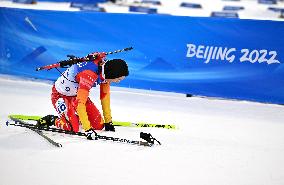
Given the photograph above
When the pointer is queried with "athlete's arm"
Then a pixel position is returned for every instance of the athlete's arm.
(86, 81)
(105, 101)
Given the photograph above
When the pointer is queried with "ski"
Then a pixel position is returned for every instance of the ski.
(152, 125)
(149, 140)
(115, 123)
(39, 132)
(24, 117)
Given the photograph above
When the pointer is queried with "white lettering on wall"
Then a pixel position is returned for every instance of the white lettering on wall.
(213, 53)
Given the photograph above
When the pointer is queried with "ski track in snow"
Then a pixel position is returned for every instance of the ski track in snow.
(219, 142)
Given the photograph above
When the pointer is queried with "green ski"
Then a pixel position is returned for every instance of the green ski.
(115, 123)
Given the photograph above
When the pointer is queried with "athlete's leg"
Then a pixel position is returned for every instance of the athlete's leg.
(67, 120)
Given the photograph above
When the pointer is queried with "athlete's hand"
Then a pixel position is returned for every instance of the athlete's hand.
(109, 127)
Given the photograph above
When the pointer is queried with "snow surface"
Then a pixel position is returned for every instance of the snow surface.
(219, 142)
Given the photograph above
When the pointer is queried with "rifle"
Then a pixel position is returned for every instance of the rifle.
(74, 60)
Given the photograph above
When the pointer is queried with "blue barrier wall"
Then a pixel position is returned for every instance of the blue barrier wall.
(76, 1)
(229, 58)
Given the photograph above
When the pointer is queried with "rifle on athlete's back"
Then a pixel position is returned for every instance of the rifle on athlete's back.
(74, 60)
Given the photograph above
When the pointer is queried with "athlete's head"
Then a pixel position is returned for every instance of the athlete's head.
(115, 70)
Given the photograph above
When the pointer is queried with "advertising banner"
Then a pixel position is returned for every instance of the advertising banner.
(227, 58)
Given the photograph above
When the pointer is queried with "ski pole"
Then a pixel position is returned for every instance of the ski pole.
(74, 60)
(31, 126)
(19, 123)
(39, 132)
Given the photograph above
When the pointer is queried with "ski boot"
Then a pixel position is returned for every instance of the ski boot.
(46, 121)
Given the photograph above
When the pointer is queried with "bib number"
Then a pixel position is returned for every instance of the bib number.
(61, 106)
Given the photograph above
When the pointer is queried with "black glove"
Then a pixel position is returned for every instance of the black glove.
(46, 121)
(109, 127)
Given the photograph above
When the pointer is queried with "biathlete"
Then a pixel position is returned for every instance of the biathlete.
(70, 94)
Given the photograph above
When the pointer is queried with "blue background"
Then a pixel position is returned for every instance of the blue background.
(33, 38)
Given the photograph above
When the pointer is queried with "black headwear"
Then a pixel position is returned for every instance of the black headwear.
(115, 68)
